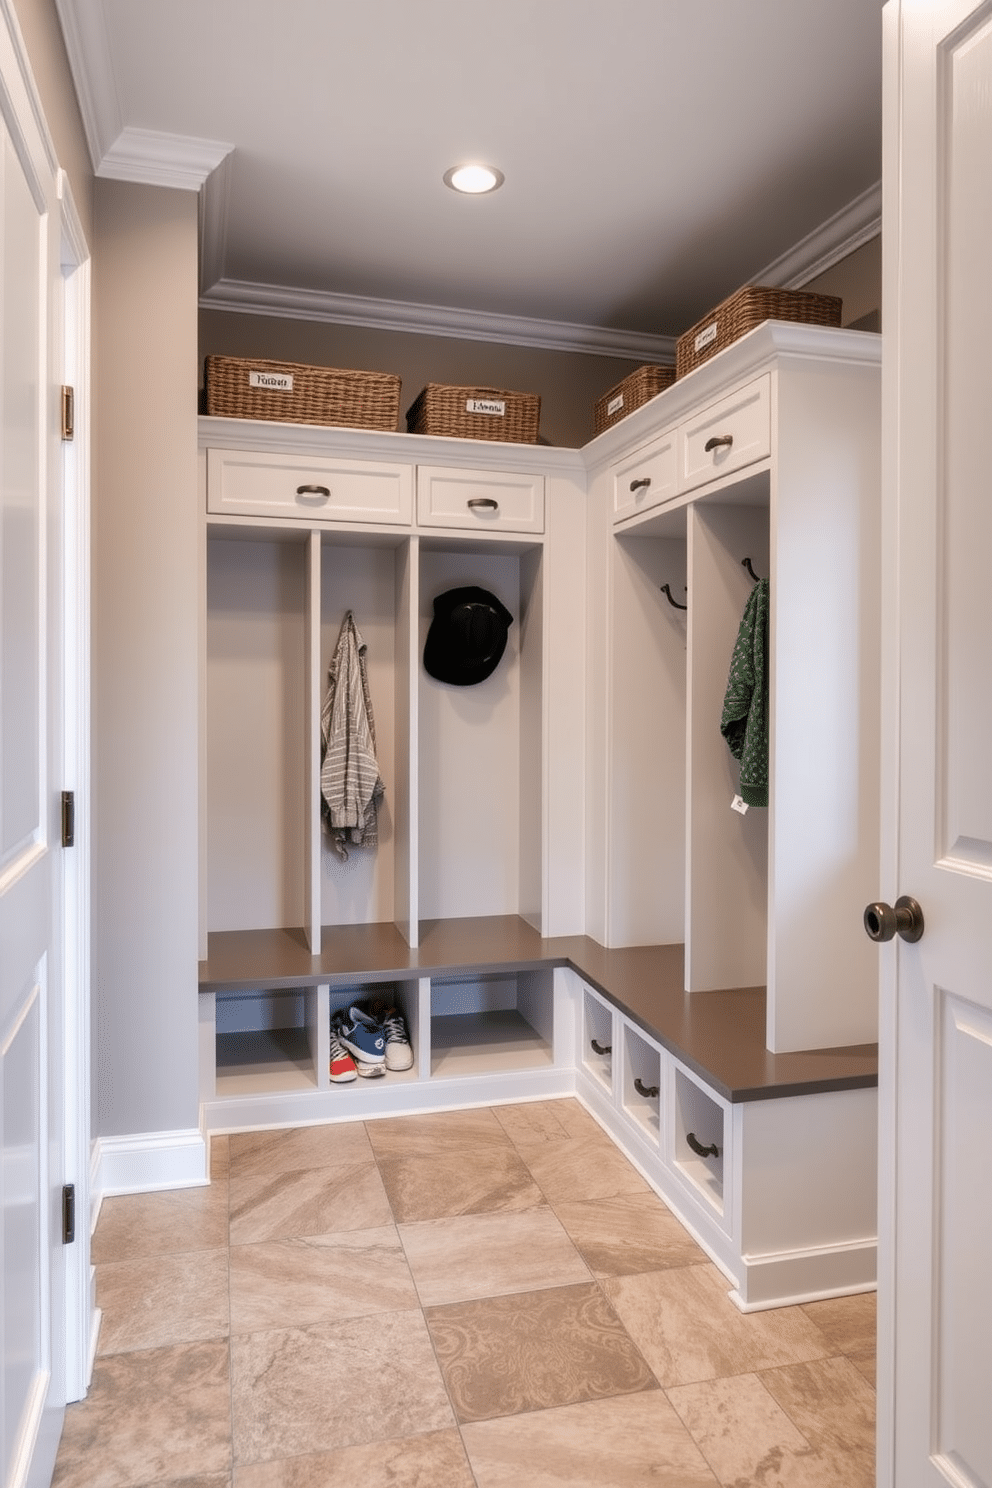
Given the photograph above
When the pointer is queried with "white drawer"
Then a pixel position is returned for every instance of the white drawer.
(480, 500)
(254, 484)
(646, 478)
(727, 435)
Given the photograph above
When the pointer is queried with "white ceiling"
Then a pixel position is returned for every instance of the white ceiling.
(658, 153)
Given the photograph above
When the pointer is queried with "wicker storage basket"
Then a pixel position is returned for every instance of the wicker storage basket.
(291, 392)
(745, 310)
(636, 389)
(475, 413)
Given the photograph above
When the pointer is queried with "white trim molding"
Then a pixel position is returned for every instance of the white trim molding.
(841, 234)
(149, 1161)
(152, 159)
(434, 320)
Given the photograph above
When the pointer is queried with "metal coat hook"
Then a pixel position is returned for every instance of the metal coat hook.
(746, 563)
(667, 591)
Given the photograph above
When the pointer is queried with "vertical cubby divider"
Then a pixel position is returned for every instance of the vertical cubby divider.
(312, 923)
(727, 853)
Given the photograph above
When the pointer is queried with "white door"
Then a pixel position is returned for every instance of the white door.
(935, 1360)
(31, 1091)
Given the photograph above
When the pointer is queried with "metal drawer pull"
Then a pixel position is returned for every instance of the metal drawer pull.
(698, 1147)
(649, 1092)
(483, 501)
(717, 440)
(601, 1048)
(322, 491)
(636, 485)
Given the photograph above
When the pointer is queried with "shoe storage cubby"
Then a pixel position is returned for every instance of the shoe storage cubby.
(274, 1041)
(491, 1025)
(641, 1094)
(404, 997)
(596, 1050)
(699, 1137)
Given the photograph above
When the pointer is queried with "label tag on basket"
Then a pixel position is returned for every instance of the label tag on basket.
(705, 337)
(739, 804)
(614, 405)
(273, 382)
(494, 406)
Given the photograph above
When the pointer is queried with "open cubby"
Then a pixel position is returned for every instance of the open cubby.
(268, 1042)
(646, 885)
(596, 1050)
(492, 1024)
(698, 1128)
(256, 731)
(641, 1092)
(727, 878)
(479, 758)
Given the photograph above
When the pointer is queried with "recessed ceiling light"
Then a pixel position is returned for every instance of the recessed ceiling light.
(476, 180)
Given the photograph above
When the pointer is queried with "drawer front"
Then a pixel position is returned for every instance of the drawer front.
(727, 436)
(480, 500)
(250, 484)
(646, 478)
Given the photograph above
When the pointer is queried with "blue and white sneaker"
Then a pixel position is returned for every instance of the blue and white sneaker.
(363, 1037)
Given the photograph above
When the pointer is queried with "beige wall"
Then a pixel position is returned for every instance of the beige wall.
(858, 281)
(568, 382)
(145, 533)
(42, 34)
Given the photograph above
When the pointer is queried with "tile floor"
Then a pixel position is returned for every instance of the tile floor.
(475, 1299)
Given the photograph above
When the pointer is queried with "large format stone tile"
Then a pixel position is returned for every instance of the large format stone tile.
(435, 1460)
(149, 1224)
(316, 1201)
(747, 1438)
(546, 1121)
(533, 1351)
(488, 1255)
(847, 1323)
(156, 1416)
(586, 1167)
(299, 1391)
(688, 1329)
(294, 1149)
(436, 1134)
(320, 1278)
(627, 1233)
(162, 1300)
(833, 1405)
(627, 1441)
(437, 1187)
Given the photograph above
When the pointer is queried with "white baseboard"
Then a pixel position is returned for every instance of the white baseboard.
(148, 1161)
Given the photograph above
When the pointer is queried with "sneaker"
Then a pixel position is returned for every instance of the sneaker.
(369, 1071)
(363, 1037)
(342, 1065)
(399, 1051)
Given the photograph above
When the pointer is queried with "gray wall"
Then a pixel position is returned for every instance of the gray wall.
(145, 668)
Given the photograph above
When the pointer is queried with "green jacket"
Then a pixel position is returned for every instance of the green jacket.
(744, 724)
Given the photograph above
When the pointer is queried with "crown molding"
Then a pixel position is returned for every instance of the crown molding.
(847, 230)
(152, 159)
(87, 44)
(434, 320)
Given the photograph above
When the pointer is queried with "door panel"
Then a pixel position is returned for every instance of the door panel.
(935, 1425)
(31, 1054)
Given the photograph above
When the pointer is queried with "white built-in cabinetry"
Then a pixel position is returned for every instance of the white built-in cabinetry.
(770, 453)
(579, 799)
